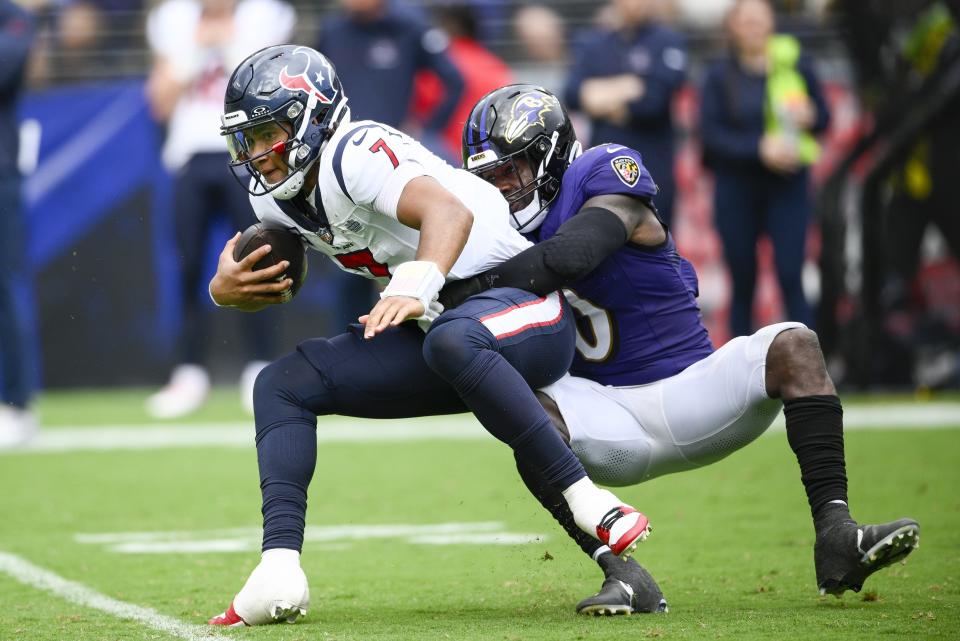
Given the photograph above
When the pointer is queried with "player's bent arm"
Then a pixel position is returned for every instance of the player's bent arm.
(236, 284)
(601, 226)
(444, 223)
(443, 220)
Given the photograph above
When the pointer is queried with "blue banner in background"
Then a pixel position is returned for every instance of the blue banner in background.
(89, 151)
(96, 146)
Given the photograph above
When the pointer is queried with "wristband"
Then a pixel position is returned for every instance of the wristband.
(420, 279)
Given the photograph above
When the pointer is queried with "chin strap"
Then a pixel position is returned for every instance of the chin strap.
(291, 186)
(420, 279)
(529, 218)
(294, 181)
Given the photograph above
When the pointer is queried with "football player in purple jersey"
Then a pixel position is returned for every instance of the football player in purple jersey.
(642, 350)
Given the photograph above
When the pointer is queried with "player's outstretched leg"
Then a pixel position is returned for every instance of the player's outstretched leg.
(627, 587)
(346, 375)
(845, 553)
(492, 360)
(286, 454)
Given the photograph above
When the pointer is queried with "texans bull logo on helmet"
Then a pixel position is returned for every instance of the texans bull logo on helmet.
(527, 111)
(301, 81)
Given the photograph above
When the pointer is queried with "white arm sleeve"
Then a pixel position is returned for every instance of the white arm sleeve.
(375, 166)
(389, 197)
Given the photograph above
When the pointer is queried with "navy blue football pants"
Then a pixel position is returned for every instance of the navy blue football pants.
(484, 356)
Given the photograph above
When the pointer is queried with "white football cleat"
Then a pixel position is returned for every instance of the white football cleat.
(247, 378)
(18, 426)
(276, 592)
(599, 512)
(622, 528)
(185, 393)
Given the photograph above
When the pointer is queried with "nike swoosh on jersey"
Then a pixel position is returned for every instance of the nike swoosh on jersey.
(613, 150)
(357, 141)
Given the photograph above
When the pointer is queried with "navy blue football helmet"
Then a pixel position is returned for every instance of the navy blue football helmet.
(527, 122)
(294, 87)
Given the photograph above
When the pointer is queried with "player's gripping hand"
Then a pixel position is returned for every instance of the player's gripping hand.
(236, 284)
(388, 312)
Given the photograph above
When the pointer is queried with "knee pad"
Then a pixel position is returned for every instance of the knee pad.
(289, 389)
(451, 346)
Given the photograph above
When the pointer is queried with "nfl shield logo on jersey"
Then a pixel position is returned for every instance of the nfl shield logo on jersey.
(628, 171)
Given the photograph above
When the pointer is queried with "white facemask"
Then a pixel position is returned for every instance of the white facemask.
(530, 217)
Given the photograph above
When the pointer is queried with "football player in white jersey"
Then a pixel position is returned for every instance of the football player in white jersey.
(382, 206)
(648, 395)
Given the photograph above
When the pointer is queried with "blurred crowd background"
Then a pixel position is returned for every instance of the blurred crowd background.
(853, 227)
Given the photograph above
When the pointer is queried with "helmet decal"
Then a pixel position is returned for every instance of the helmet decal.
(480, 135)
(482, 158)
(527, 111)
(301, 81)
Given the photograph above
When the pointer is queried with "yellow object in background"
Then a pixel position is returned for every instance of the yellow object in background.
(785, 88)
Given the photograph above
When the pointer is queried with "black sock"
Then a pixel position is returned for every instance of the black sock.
(815, 434)
(553, 500)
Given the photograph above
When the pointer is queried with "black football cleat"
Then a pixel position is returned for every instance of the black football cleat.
(627, 589)
(845, 553)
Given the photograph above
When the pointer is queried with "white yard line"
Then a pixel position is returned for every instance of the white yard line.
(41, 579)
(334, 429)
(461, 427)
(321, 537)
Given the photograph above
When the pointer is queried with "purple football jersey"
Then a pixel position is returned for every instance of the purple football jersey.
(638, 319)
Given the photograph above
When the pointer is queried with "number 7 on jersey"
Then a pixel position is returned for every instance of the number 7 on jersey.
(380, 145)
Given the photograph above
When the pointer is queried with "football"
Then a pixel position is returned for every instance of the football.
(284, 245)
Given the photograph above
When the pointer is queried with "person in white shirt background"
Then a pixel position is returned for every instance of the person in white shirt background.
(195, 45)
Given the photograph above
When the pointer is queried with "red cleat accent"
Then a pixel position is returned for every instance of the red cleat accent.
(229, 618)
(628, 538)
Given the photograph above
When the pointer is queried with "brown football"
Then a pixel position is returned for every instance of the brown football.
(284, 245)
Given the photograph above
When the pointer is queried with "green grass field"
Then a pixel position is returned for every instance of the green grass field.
(731, 547)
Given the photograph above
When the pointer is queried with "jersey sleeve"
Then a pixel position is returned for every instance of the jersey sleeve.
(617, 170)
(372, 165)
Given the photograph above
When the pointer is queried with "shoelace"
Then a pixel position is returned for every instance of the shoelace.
(610, 518)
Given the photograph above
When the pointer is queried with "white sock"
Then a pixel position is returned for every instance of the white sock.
(600, 551)
(280, 556)
(589, 504)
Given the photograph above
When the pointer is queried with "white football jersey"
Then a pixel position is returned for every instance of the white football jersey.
(363, 171)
